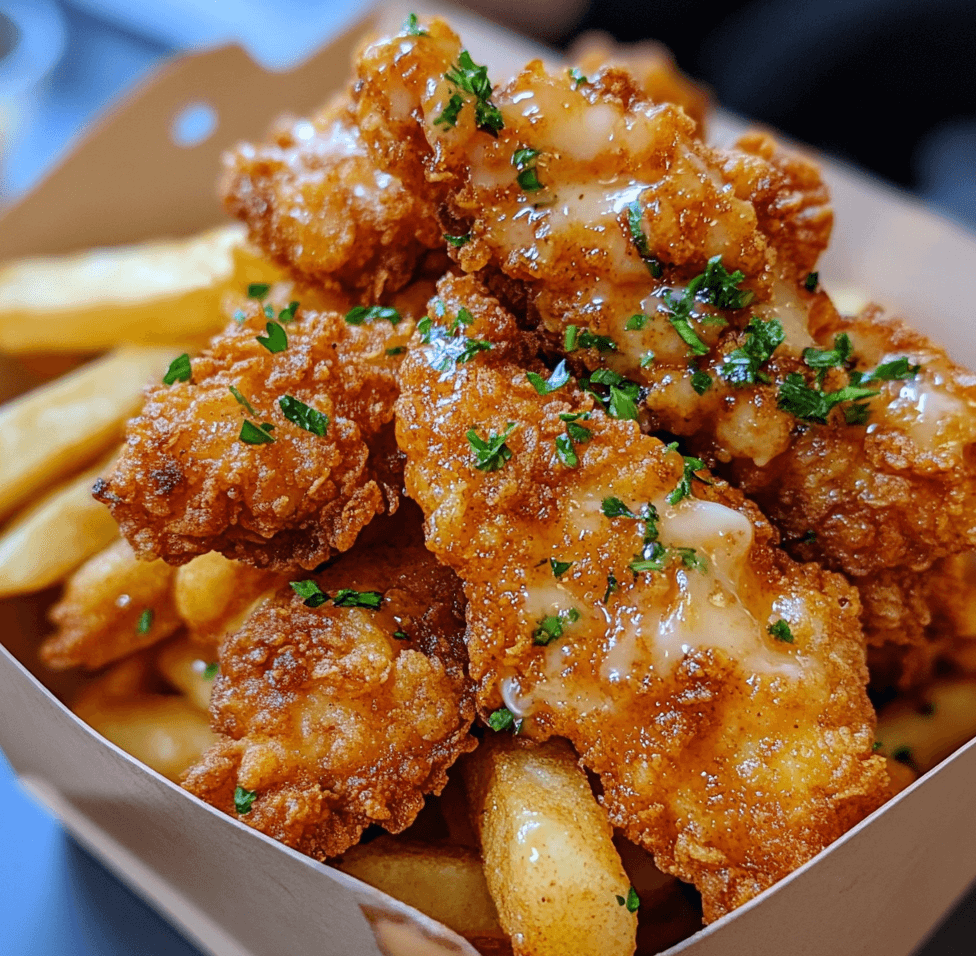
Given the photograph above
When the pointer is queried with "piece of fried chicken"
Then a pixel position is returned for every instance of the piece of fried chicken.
(622, 599)
(279, 449)
(342, 706)
(366, 232)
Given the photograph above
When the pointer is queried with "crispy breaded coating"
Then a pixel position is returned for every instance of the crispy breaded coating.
(338, 716)
(620, 600)
(112, 606)
(314, 202)
(191, 479)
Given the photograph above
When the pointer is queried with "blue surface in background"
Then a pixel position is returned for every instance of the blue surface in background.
(55, 900)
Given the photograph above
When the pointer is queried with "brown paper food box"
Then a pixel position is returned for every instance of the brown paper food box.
(875, 892)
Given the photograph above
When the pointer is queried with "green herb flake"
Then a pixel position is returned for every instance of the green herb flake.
(470, 78)
(636, 322)
(210, 671)
(718, 287)
(310, 593)
(811, 404)
(287, 314)
(401, 635)
(615, 508)
(258, 290)
(491, 453)
(810, 282)
(570, 338)
(348, 597)
(899, 369)
(244, 799)
(179, 370)
(612, 588)
(411, 27)
(683, 489)
(781, 631)
(371, 313)
(524, 161)
(701, 381)
(145, 622)
(396, 350)
(458, 241)
(558, 378)
(559, 568)
(876, 746)
(690, 558)
(632, 902)
(742, 365)
(647, 360)
(551, 627)
(276, 340)
(576, 75)
(268, 312)
(241, 400)
(501, 719)
(252, 435)
(302, 415)
(682, 325)
(566, 452)
(639, 238)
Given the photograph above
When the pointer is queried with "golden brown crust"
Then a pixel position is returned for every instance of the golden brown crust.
(732, 756)
(334, 722)
(186, 483)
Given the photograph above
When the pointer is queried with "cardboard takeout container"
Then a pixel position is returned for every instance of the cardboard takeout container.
(876, 891)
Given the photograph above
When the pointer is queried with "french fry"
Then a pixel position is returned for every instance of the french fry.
(167, 733)
(550, 862)
(447, 883)
(47, 542)
(156, 292)
(112, 606)
(57, 428)
(920, 736)
(191, 672)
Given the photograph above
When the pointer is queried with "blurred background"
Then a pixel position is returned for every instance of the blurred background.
(887, 84)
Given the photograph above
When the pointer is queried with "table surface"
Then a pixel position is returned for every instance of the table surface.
(55, 899)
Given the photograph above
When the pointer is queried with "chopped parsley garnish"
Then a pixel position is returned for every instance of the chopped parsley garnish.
(470, 78)
(683, 489)
(896, 370)
(690, 559)
(615, 508)
(904, 755)
(576, 75)
(623, 393)
(639, 238)
(823, 359)
(559, 568)
(243, 799)
(524, 160)
(632, 901)
(411, 27)
(464, 317)
(396, 350)
(310, 593)
(612, 587)
(742, 366)
(781, 631)
(258, 290)
(269, 312)
(647, 360)
(458, 241)
(813, 405)
(574, 429)
(682, 325)
(401, 635)
(876, 746)
(304, 416)
(501, 719)
(559, 377)
(145, 622)
(241, 400)
(252, 435)
(348, 597)
(491, 453)
(210, 671)
(701, 381)
(650, 558)
(287, 314)
(369, 313)
(276, 340)
(566, 452)
(550, 628)
(636, 322)
(450, 346)
(179, 370)
(577, 338)
(810, 282)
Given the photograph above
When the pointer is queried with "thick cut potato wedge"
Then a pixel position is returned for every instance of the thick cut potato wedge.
(47, 542)
(58, 428)
(550, 862)
(165, 291)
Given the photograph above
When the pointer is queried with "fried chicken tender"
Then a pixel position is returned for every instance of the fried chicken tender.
(338, 716)
(314, 202)
(112, 606)
(231, 460)
(620, 599)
